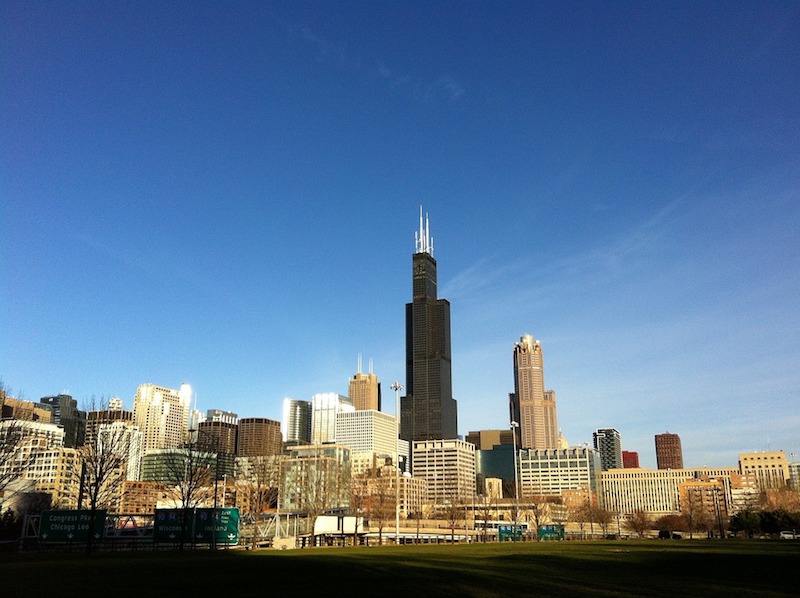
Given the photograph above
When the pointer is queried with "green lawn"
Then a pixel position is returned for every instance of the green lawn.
(608, 568)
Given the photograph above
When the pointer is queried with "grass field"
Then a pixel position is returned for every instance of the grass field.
(608, 568)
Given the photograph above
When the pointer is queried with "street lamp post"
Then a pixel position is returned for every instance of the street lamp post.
(397, 387)
(515, 425)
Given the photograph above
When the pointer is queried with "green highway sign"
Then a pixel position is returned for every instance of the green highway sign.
(202, 526)
(509, 533)
(217, 525)
(71, 526)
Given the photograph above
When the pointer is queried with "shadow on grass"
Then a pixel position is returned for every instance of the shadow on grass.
(620, 568)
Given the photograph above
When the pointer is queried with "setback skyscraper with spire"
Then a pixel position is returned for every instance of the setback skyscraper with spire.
(428, 411)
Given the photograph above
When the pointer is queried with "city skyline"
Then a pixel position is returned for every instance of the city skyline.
(226, 196)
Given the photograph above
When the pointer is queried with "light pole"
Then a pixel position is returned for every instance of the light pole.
(397, 387)
(515, 425)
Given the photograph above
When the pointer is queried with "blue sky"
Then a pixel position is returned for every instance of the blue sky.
(226, 194)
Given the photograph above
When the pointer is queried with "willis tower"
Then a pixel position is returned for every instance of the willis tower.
(428, 411)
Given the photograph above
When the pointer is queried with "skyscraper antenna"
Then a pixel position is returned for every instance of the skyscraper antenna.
(359, 363)
(422, 238)
(370, 365)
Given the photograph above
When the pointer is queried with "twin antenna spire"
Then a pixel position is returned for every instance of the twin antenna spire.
(359, 364)
(423, 239)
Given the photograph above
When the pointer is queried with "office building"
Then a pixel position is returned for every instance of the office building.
(67, 415)
(794, 475)
(533, 408)
(608, 443)
(218, 415)
(325, 406)
(315, 478)
(217, 436)
(367, 431)
(630, 459)
(448, 467)
(770, 468)
(549, 472)
(259, 437)
(668, 451)
(485, 440)
(124, 438)
(95, 419)
(658, 492)
(365, 390)
(169, 466)
(26, 411)
(496, 463)
(428, 410)
(57, 473)
(296, 421)
(162, 414)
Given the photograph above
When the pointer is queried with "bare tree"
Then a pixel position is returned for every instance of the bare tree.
(602, 517)
(381, 500)
(11, 466)
(259, 478)
(639, 523)
(485, 505)
(695, 512)
(580, 514)
(359, 499)
(188, 476)
(539, 508)
(103, 468)
(316, 482)
(453, 512)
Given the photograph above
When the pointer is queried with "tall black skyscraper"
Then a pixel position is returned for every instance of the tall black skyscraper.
(428, 411)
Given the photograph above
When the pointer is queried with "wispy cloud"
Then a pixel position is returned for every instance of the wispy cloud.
(517, 282)
(445, 87)
(393, 81)
(329, 51)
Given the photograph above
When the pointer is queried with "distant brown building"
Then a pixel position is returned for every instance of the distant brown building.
(94, 419)
(668, 451)
(217, 436)
(12, 408)
(630, 459)
(259, 436)
(141, 498)
(484, 440)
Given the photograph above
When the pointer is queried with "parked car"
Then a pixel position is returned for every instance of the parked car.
(664, 534)
(789, 535)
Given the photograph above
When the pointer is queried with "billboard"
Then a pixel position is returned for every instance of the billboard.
(338, 524)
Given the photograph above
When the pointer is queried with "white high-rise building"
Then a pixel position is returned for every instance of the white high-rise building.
(371, 436)
(162, 414)
(549, 472)
(296, 421)
(325, 406)
(120, 435)
(448, 466)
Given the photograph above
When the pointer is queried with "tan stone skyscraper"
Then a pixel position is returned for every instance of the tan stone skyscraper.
(162, 414)
(365, 390)
(533, 408)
